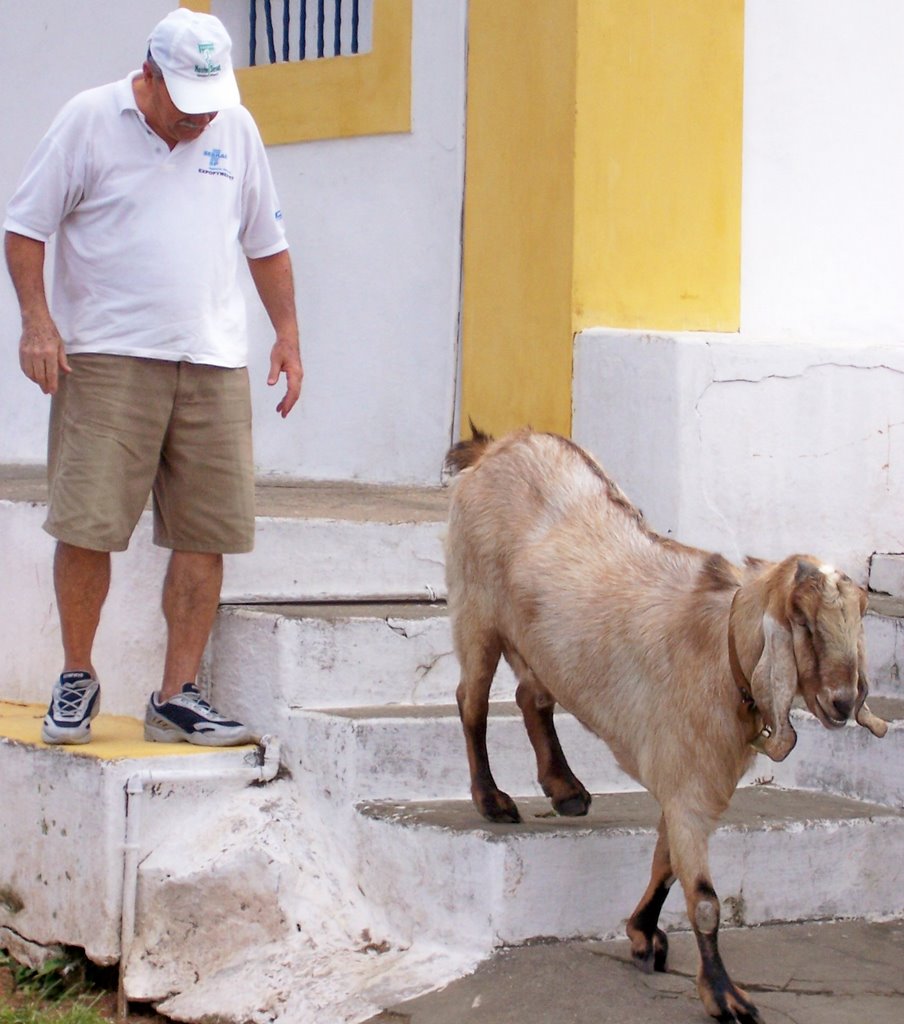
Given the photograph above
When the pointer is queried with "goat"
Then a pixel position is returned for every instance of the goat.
(681, 661)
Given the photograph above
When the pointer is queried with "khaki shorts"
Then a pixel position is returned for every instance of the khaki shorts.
(121, 427)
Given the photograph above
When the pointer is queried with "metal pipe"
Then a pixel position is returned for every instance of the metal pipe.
(135, 787)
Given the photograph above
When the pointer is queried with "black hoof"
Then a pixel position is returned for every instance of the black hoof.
(503, 817)
(499, 808)
(574, 806)
(644, 961)
(734, 1005)
(653, 957)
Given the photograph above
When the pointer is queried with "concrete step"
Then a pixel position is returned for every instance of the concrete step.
(326, 655)
(321, 541)
(884, 632)
(885, 623)
(316, 541)
(418, 753)
(776, 856)
(886, 574)
(63, 821)
(409, 752)
(197, 847)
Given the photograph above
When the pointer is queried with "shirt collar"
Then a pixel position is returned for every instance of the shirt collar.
(125, 97)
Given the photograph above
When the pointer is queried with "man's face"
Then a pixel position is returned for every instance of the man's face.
(166, 119)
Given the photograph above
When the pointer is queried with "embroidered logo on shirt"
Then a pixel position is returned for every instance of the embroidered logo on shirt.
(216, 157)
(208, 68)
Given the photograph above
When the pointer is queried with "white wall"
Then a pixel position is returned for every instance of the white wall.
(374, 225)
(747, 447)
(823, 209)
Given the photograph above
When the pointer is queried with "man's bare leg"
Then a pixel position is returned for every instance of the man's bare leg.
(191, 596)
(81, 579)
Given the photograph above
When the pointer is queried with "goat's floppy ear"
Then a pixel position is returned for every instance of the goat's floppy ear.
(773, 687)
(876, 725)
(863, 716)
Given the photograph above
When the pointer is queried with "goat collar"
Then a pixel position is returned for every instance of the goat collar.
(741, 680)
(748, 704)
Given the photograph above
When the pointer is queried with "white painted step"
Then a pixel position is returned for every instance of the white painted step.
(408, 752)
(884, 633)
(315, 541)
(886, 574)
(418, 753)
(62, 818)
(318, 540)
(445, 873)
(326, 655)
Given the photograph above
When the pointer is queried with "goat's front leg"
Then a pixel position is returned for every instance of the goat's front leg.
(478, 654)
(688, 836)
(649, 943)
(559, 783)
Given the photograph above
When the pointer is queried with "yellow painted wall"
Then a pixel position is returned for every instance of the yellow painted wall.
(519, 203)
(658, 164)
(603, 187)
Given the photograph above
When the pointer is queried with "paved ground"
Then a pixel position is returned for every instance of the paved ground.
(839, 973)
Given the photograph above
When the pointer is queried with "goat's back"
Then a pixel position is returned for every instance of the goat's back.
(530, 482)
(535, 496)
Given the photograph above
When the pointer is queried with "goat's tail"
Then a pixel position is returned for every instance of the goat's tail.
(466, 453)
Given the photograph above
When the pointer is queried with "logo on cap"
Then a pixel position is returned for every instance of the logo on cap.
(208, 68)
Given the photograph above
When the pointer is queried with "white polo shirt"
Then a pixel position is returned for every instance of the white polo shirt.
(148, 239)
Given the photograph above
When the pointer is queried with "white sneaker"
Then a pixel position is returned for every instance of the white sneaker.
(188, 718)
(74, 702)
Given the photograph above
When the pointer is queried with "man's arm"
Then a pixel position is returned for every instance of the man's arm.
(41, 352)
(272, 277)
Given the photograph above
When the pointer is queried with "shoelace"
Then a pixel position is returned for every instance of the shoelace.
(68, 701)
(195, 702)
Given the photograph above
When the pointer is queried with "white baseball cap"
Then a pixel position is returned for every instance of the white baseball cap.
(194, 53)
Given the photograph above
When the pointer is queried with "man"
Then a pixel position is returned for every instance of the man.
(152, 186)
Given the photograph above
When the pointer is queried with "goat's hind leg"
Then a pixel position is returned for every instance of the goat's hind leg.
(649, 943)
(478, 652)
(558, 781)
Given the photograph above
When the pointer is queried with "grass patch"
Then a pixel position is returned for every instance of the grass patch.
(77, 1013)
(67, 989)
(61, 977)
(57, 992)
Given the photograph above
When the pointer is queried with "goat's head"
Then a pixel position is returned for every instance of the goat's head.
(812, 646)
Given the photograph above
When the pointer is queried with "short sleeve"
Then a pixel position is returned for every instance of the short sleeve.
(52, 184)
(261, 232)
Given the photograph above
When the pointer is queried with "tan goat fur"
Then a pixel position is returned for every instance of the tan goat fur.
(549, 565)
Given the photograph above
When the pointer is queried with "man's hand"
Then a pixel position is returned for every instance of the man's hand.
(286, 358)
(41, 354)
(272, 277)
